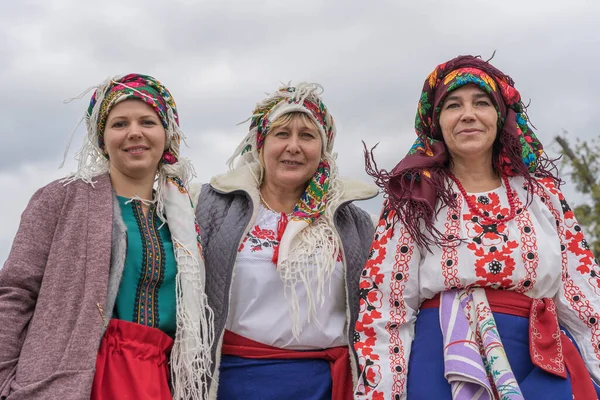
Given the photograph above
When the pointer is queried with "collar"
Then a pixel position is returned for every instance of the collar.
(246, 178)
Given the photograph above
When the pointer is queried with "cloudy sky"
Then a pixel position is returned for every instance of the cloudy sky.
(218, 58)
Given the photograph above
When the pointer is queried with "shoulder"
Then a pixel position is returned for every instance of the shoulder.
(214, 205)
(356, 190)
(350, 218)
(207, 193)
(351, 210)
(61, 197)
(550, 185)
(59, 191)
(543, 187)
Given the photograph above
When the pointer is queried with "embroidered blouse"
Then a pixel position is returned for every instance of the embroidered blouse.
(259, 309)
(541, 253)
(147, 290)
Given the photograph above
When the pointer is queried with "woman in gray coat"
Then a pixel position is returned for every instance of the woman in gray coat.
(284, 249)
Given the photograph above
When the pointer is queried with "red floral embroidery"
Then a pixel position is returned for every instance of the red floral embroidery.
(529, 248)
(398, 362)
(573, 294)
(259, 239)
(487, 234)
(371, 302)
(450, 253)
(489, 243)
(494, 265)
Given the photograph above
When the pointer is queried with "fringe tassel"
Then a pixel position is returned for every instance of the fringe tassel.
(191, 354)
(314, 258)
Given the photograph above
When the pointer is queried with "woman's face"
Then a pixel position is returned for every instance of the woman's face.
(134, 139)
(291, 154)
(469, 123)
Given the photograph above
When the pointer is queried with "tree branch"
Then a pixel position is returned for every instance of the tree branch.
(579, 163)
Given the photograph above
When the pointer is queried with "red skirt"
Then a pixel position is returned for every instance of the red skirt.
(132, 363)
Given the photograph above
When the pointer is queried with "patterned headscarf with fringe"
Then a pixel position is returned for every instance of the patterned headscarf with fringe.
(418, 187)
(190, 357)
(151, 92)
(310, 226)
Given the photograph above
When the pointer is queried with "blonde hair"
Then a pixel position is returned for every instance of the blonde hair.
(285, 119)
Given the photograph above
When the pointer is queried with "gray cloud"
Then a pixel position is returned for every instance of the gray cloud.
(218, 59)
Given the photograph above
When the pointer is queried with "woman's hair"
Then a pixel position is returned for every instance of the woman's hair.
(285, 119)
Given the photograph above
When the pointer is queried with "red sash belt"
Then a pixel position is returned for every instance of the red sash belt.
(338, 357)
(550, 349)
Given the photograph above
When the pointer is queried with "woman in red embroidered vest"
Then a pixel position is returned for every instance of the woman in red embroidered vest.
(102, 295)
(477, 260)
(284, 249)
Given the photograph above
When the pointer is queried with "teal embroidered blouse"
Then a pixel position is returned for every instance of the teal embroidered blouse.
(147, 290)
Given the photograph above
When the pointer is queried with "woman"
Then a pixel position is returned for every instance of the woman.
(477, 258)
(105, 276)
(284, 249)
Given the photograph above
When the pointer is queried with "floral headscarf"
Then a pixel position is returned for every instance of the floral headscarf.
(148, 90)
(419, 186)
(512, 119)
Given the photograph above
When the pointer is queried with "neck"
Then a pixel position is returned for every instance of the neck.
(475, 176)
(127, 186)
(280, 199)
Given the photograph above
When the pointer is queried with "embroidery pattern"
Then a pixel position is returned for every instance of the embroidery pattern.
(450, 253)
(529, 248)
(557, 364)
(400, 275)
(259, 239)
(371, 303)
(153, 267)
(489, 243)
(572, 292)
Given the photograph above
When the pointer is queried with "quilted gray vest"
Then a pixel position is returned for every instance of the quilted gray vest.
(223, 219)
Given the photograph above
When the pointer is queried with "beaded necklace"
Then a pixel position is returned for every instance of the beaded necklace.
(486, 218)
(268, 207)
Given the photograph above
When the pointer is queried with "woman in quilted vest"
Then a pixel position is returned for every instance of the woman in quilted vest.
(102, 295)
(284, 248)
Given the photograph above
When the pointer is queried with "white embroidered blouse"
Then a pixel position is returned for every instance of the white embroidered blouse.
(541, 253)
(259, 309)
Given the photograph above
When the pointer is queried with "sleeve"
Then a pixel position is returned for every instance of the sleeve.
(21, 277)
(578, 299)
(389, 300)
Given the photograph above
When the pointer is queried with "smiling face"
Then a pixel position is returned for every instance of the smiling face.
(468, 121)
(292, 153)
(134, 140)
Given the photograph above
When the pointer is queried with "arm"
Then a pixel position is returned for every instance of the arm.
(21, 276)
(389, 301)
(578, 299)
